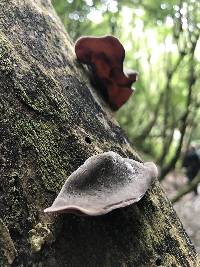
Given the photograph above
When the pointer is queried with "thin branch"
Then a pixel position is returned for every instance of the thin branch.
(186, 189)
(171, 165)
(152, 122)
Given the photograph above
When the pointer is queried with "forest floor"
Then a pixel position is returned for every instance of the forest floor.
(187, 208)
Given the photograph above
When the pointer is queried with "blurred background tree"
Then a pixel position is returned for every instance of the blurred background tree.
(161, 39)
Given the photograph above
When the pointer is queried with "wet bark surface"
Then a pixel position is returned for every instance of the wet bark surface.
(51, 121)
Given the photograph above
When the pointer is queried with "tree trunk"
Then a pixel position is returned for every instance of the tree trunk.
(52, 120)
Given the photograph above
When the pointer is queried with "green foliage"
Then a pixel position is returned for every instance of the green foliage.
(161, 39)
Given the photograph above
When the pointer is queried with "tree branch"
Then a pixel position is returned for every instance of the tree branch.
(186, 189)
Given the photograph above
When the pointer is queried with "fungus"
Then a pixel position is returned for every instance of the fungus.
(104, 182)
(105, 55)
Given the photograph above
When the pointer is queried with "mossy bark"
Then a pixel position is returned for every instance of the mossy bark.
(52, 120)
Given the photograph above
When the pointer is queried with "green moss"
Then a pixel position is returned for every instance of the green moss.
(6, 65)
(44, 138)
(38, 93)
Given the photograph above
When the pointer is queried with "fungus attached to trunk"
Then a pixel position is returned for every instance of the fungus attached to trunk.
(105, 55)
(103, 183)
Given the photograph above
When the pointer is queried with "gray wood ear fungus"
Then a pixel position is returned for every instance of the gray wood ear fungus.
(104, 182)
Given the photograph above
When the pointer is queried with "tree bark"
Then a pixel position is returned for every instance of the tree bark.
(52, 120)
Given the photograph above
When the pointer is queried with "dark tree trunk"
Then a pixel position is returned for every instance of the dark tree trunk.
(51, 122)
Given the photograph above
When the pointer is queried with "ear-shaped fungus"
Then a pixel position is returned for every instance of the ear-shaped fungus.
(103, 183)
(106, 55)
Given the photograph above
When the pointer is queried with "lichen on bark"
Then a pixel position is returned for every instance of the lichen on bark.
(8, 252)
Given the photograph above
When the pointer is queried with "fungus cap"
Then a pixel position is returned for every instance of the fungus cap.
(105, 55)
(104, 182)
